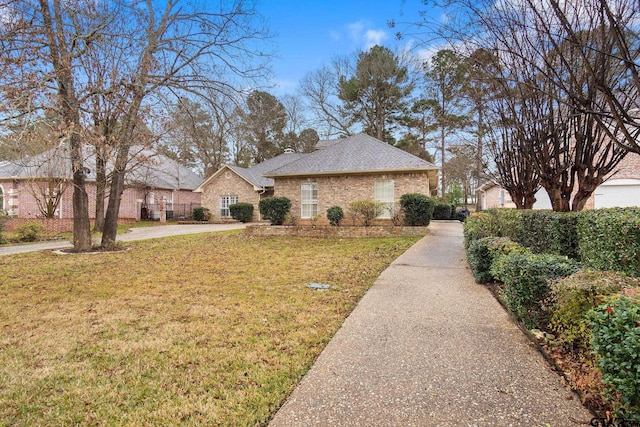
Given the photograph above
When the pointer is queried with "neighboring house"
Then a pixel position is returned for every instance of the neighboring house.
(152, 178)
(622, 189)
(337, 173)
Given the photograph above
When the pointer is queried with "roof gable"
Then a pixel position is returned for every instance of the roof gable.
(255, 174)
(360, 153)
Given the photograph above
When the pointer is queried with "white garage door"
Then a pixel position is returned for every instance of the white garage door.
(617, 193)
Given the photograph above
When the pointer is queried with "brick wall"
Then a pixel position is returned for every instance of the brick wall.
(50, 225)
(333, 232)
(228, 183)
(629, 167)
(19, 197)
(345, 189)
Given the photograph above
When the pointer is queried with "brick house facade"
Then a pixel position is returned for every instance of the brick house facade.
(341, 190)
(337, 173)
(159, 179)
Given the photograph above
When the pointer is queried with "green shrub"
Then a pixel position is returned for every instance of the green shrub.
(609, 239)
(242, 212)
(274, 209)
(417, 208)
(453, 212)
(29, 231)
(526, 277)
(491, 223)
(365, 211)
(574, 296)
(481, 253)
(335, 215)
(549, 232)
(442, 211)
(201, 214)
(616, 341)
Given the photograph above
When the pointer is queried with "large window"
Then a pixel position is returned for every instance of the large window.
(383, 192)
(225, 202)
(309, 200)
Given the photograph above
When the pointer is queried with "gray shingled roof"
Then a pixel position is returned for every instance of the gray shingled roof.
(255, 174)
(147, 167)
(356, 154)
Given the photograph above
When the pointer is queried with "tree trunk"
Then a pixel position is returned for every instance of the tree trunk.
(101, 186)
(81, 222)
(115, 196)
(70, 112)
(479, 150)
(442, 153)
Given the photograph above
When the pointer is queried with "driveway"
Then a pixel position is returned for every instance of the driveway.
(141, 233)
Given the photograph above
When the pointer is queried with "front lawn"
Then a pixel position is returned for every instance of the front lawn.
(212, 329)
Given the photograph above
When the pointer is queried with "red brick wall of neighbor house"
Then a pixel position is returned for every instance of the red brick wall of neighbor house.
(229, 183)
(27, 207)
(344, 189)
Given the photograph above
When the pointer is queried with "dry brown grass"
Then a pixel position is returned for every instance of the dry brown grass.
(199, 330)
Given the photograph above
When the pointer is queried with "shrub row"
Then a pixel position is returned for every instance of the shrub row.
(605, 239)
(416, 210)
(591, 312)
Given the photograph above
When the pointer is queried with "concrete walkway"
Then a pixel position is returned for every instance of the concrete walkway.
(140, 233)
(427, 346)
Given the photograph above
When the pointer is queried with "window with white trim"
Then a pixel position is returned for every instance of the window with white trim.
(383, 192)
(309, 200)
(225, 202)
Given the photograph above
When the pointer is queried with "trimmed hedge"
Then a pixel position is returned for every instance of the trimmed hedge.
(242, 212)
(609, 239)
(274, 209)
(549, 232)
(526, 277)
(441, 211)
(482, 252)
(417, 208)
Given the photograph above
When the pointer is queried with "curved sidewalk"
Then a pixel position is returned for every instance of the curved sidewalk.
(140, 233)
(427, 346)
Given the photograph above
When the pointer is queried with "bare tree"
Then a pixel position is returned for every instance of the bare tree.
(40, 45)
(51, 50)
(558, 76)
(607, 30)
(321, 88)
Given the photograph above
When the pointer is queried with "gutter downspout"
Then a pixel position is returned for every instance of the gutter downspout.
(264, 190)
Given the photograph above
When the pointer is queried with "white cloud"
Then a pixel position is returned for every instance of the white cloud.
(361, 33)
(374, 37)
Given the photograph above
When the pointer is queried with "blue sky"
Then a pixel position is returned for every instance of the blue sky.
(310, 33)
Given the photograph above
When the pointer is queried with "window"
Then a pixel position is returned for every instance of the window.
(383, 192)
(225, 202)
(309, 200)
